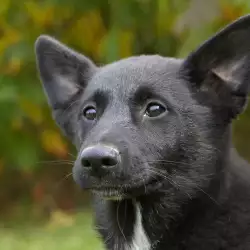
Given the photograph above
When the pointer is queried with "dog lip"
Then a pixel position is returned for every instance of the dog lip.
(148, 186)
(127, 190)
(109, 193)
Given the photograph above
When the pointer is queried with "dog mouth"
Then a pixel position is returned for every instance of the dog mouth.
(127, 191)
(109, 193)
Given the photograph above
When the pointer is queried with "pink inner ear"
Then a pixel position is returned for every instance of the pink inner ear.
(67, 86)
(231, 72)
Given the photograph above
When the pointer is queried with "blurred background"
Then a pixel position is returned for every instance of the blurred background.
(40, 206)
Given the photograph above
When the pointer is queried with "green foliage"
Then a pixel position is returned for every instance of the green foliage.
(103, 30)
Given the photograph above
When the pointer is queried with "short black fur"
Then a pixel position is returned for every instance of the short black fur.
(179, 168)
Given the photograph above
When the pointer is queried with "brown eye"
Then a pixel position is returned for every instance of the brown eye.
(89, 113)
(154, 110)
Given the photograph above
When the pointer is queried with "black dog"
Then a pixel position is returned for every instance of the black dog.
(154, 141)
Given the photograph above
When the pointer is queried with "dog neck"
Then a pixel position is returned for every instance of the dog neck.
(122, 225)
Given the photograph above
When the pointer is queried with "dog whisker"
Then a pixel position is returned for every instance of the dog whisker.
(118, 222)
(56, 162)
(72, 155)
(169, 179)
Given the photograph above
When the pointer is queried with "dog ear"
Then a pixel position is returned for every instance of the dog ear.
(63, 72)
(221, 66)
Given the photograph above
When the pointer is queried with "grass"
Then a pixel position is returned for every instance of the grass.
(79, 235)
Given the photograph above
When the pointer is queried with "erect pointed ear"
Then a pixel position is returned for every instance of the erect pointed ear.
(221, 66)
(63, 72)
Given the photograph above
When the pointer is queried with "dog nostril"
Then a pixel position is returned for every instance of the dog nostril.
(109, 161)
(86, 163)
(99, 158)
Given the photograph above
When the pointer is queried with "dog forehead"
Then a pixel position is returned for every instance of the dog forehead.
(130, 73)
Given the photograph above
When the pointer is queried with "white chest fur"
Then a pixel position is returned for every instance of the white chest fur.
(140, 240)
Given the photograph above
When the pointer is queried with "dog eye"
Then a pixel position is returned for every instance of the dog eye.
(89, 113)
(154, 110)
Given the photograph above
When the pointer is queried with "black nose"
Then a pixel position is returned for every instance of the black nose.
(100, 158)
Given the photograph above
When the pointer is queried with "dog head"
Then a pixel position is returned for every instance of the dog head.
(149, 124)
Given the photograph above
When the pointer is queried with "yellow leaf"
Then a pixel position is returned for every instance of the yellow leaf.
(13, 67)
(9, 36)
(54, 144)
(62, 12)
(92, 25)
(162, 16)
(125, 43)
(230, 12)
(4, 6)
(41, 15)
(32, 110)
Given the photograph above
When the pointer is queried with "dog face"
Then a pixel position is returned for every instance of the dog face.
(149, 124)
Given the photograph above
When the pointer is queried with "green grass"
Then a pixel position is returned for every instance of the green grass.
(79, 236)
